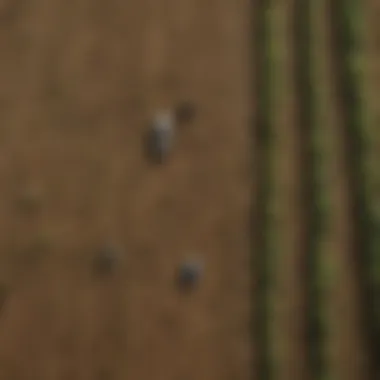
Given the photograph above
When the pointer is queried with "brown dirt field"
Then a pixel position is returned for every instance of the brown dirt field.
(78, 82)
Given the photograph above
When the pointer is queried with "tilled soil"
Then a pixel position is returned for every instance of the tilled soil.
(79, 81)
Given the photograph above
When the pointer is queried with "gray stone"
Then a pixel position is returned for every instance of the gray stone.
(161, 136)
(190, 273)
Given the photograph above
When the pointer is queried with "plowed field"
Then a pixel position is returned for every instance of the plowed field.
(275, 186)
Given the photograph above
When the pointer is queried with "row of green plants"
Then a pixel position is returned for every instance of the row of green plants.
(347, 45)
(324, 263)
(313, 204)
(344, 34)
(359, 19)
(312, 197)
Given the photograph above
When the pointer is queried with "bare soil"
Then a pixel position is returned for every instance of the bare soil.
(79, 80)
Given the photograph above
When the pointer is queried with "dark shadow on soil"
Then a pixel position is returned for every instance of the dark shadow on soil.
(312, 213)
(4, 293)
(261, 168)
(344, 42)
(10, 11)
(149, 147)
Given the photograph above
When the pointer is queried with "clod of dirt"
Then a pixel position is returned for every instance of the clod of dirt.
(4, 292)
(9, 10)
(30, 200)
(37, 250)
(190, 273)
(104, 374)
(107, 259)
(185, 112)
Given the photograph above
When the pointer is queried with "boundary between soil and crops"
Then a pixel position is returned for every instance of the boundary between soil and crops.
(345, 43)
(261, 140)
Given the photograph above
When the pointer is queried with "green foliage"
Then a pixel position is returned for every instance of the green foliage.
(262, 131)
(345, 25)
(314, 213)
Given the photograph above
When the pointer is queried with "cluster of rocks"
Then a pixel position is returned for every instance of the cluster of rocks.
(188, 274)
(161, 134)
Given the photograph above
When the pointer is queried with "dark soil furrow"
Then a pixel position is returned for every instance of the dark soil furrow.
(261, 163)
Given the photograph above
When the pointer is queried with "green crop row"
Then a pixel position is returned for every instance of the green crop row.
(346, 25)
(315, 272)
(345, 20)
(313, 202)
(262, 130)
(360, 66)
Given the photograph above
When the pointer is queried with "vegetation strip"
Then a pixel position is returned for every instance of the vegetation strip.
(261, 130)
(365, 67)
(344, 43)
(312, 217)
(326, 269)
